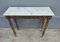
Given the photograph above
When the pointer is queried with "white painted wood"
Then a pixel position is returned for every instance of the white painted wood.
(28, 11)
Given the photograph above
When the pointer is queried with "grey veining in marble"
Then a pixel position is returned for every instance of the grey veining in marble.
(29, 11)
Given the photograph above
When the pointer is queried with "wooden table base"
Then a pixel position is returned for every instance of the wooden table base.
(43, 27)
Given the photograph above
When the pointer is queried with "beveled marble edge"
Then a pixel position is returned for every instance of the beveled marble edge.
(28, 15)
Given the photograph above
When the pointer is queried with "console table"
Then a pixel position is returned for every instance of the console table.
(15, 13)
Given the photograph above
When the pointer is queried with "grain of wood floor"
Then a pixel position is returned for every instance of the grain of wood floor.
(29, 35)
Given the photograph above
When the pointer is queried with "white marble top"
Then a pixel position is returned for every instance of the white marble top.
(28, 11)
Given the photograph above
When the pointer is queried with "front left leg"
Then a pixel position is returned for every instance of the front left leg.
(11, 24)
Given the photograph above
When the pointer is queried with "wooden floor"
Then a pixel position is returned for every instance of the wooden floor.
(29, 35)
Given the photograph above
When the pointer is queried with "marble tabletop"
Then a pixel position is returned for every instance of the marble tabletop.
(28, 11)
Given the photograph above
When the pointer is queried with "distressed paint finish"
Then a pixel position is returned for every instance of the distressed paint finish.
(45, 25)
(11, 24)
(16, 23)
(45, 18)
(43, 13)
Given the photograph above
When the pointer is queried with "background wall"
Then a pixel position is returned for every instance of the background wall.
(35, 23)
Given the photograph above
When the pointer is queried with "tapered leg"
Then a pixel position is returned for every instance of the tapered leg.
(12, 27)
(42, 26)
(16, 23)
(45, 26)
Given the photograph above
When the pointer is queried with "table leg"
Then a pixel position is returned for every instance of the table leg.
(16, 23)
(12, 27)
(42, 26)
(45, 26)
